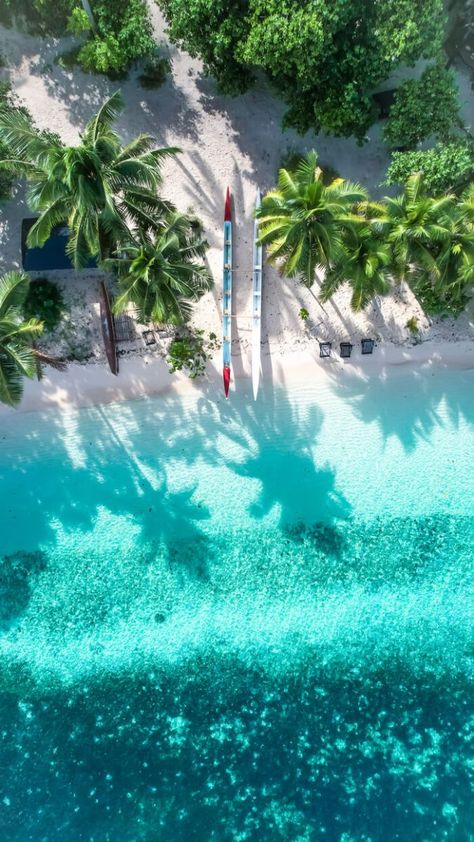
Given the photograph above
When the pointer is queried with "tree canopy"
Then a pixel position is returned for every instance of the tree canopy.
(324, 57)
(423, 239)
(97, 187)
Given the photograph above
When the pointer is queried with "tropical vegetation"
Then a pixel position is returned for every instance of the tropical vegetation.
(17, 336)
(324, 57)
(425, 240)
(44, 301)
(121, 35)
(445, 167)
(161, 270)
(303, 221)
(97, 187)
(423, 108)
(187, 353)
(7, 103)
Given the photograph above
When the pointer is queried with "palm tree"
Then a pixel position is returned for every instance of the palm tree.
(433, 243)
(18, 358)
(365, 265)
(303, 221)
(161, 271)
(416, 225)
(97, 186)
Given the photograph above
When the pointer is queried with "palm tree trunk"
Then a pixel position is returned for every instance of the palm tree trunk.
(47, 359)
(88, 11)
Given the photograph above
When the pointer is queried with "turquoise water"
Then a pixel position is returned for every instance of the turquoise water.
(229, 621)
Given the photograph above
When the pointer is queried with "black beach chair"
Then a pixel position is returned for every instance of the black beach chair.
(346, 350)
(124, 328)
(325, 349)
(367, 346)
(149, 337)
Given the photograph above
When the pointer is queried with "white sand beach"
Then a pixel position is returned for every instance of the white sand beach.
(224, 141)
(148, 376)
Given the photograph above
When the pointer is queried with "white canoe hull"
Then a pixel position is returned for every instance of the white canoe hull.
(257, 279)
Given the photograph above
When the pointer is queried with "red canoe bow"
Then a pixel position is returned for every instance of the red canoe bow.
(226, 373)
(228, 210)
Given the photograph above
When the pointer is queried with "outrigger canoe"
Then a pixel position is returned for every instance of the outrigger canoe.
(257, 278)
(227, 295)
(108, 329)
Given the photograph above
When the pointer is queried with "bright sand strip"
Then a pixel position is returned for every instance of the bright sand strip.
(139, 377)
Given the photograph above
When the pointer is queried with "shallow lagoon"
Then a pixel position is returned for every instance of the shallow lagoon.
(241, 622)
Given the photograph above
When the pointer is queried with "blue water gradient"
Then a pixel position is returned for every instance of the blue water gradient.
(239, 621)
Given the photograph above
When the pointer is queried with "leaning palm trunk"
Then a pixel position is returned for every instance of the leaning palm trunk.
(88, 11)
(43, 359)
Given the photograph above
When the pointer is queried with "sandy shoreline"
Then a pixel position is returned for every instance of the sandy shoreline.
(141, 377)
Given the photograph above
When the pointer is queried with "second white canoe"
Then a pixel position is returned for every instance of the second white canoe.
(257, 279)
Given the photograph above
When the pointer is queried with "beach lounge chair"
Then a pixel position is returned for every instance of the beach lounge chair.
(149, 337)
(124, 328)
(367, 346)
(346, 350)
(325, 349)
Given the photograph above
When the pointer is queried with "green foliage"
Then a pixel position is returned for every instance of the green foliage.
(424, 107)
(44, 302)
(155, 71)
(447, 166)
(292, 157)
(303, 314)
(432, 240)
(17, 356)
(425, 240)
(78, 22)
(364, 264)
(412, 325)
(187, 353)
(437, 302)
(161, 269)
(8, 105)
(302, 221)
(324, 57)
(213, 31)
(124, 35)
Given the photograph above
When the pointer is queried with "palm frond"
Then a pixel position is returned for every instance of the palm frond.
(13, 291)
(105, 118)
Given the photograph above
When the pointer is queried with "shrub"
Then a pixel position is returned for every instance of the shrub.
(424, 107)
(448, 166)
(303, 314)
(449, 301)
(155, 71)
(186, 353)
(78, 22)
(412, 325)
(44, 302)
(124, 34)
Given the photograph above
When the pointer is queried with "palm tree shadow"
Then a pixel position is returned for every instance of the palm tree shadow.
(278, 441)
(416, 412)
